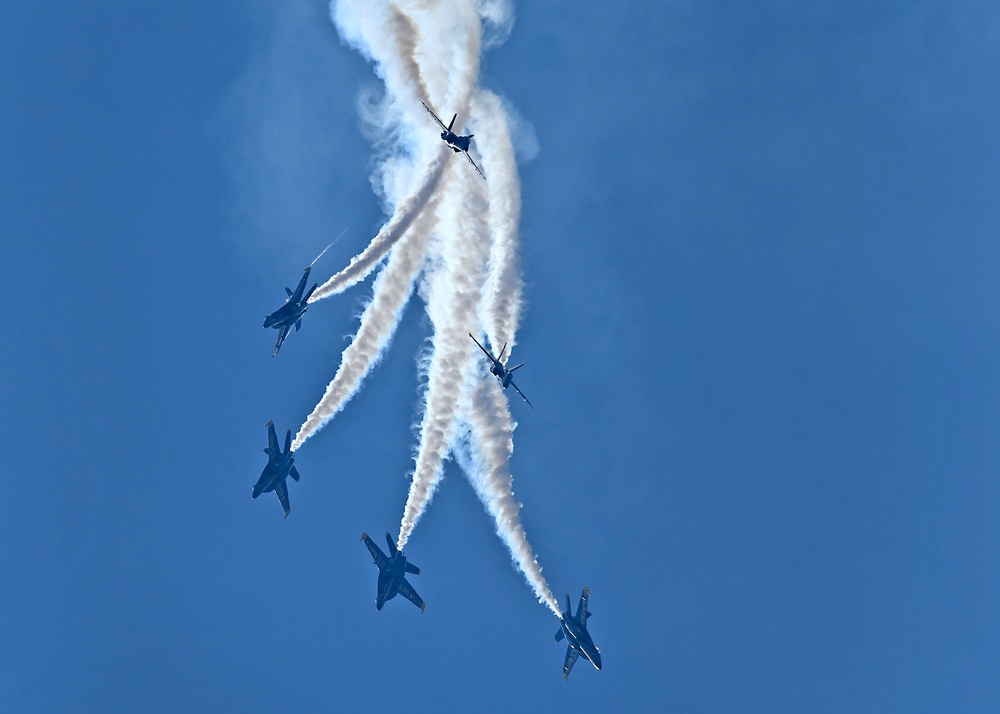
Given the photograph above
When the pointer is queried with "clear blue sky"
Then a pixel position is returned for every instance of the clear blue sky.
(762, 335)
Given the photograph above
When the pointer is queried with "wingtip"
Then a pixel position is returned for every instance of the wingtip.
(586, 589)
(270, 422)
(422, 608)
(288, 512)
(363, 536)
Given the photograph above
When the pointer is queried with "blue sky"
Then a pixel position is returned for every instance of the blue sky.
(760, 255)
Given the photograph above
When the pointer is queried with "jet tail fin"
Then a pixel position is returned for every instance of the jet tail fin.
(288, 441)
(288, 291)
(412, 569)
(298, 325)
(560, 634)
(514, 369)
(392, 545)
(452, 122)
(500, 356)
(294, 473)
(569, 605)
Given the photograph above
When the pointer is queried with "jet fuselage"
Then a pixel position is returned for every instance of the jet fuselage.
(274, 472)
(389, 580)
(455, 142)
(288, 314)
(579, 639)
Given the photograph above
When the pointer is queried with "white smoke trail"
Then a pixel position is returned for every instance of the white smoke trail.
(452, 290)
(502, 293)
(429, 50)
(491, 442)
(395, 228)
(378, 323)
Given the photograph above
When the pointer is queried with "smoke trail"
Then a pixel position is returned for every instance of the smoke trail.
(323, 252)
(501, 304)
(378, 323)
(408, 39)
(364, 262)
(491, 442)
(453, 290)
(387, 37)
(430, 50)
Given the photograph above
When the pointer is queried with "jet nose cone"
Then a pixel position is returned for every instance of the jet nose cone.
(378, 605)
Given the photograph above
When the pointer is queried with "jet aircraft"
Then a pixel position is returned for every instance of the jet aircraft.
(292, 311)
(455, 142)
(280, 465)
(392, 573)
(574, 629)
(504, 375)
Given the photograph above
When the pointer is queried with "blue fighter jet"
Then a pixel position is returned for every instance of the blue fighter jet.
(574, 629)
(392, 573)
(504, 375)
(280, 465)
(291, 312)
(458, 144)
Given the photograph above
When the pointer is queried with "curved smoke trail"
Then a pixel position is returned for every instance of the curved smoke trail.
(390, 293)
(364, 262)
(501, 304)
(491, 442)
(453, 289)
(464, 239)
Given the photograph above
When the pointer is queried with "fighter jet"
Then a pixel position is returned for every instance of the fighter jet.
(392, 573)
(291, 312)
(279, 467)
(455, 142)
(504, 375)
(574, 629)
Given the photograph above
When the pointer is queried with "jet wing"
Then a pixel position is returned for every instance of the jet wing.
(407, 591)
(485, 351)
(281, 491)
(297, 295)
(272, 440)
(435, 117)
(478, 170)
(282, 333)
(380, 560)
(581, 610)
(571, 655)
(521, 393)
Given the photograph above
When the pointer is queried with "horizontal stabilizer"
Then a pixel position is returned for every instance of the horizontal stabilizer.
(294, 473)
(412, 569)
(288, 291)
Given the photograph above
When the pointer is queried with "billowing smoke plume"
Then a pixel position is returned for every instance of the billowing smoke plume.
(456, 230)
